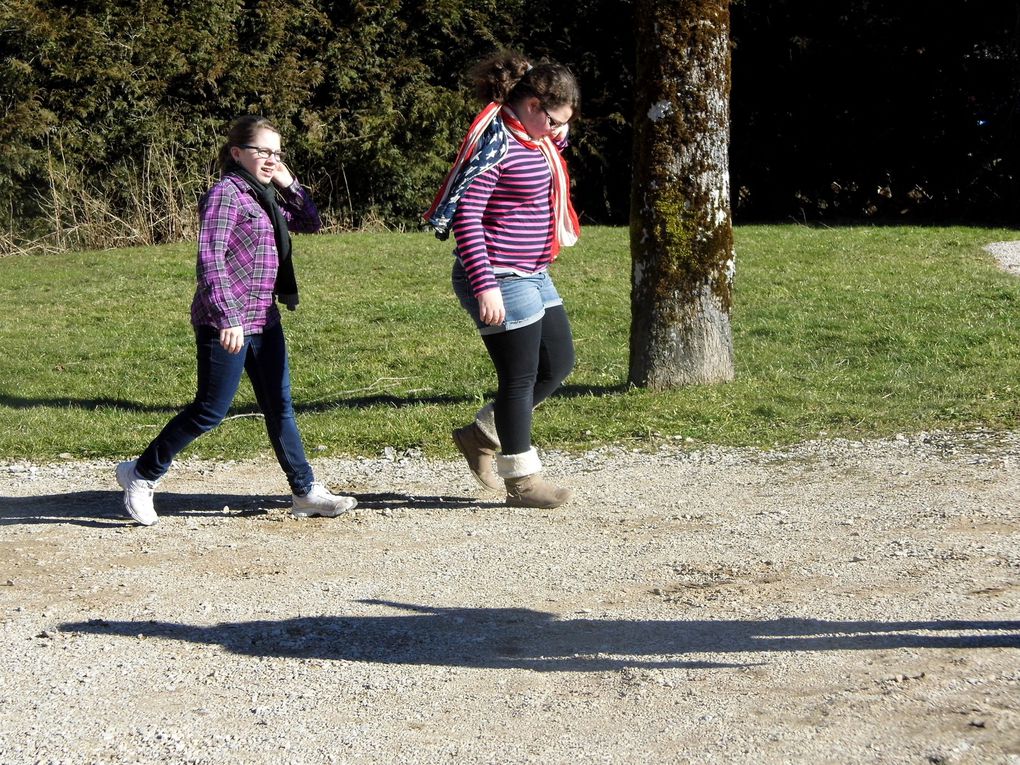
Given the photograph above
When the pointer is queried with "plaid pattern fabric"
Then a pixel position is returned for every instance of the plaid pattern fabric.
(237, 258)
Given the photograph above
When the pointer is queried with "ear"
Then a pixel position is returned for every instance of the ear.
(235, 153)
(534, 105)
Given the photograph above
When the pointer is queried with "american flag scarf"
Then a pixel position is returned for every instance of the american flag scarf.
(485, 146)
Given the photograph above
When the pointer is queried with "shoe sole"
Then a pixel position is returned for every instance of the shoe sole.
(320, 514)
(514, 502)
(524, 505)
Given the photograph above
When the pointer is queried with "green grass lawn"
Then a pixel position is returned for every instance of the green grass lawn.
(838, 332)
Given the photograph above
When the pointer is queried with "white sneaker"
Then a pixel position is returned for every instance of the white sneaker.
(137, 493)
(320, 501)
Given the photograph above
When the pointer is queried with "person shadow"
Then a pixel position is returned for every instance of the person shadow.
(104, 509)
(522, 638)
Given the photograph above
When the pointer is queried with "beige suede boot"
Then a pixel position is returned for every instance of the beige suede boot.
(478, 443)
(525, 486)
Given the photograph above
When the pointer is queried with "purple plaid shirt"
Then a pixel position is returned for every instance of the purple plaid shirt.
(237, 257)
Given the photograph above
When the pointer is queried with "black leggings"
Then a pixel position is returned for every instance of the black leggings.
(530, 362)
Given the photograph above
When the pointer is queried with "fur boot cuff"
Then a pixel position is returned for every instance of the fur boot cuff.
(518, 465)
(486, 422)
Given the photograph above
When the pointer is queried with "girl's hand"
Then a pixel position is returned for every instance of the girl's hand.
(232, 339)
(490, 307)
(282, 176)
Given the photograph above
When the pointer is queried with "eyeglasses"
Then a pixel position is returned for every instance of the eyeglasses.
(263, 153)
(553, 124)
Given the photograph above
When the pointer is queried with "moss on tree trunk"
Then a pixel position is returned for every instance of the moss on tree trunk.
(681, 231)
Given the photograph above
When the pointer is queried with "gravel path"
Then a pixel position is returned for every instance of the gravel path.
(1007, 255)
(837, 602)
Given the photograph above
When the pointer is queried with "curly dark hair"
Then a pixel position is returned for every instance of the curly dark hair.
(508, 76)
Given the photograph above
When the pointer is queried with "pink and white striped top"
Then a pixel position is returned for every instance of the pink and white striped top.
(504, 221)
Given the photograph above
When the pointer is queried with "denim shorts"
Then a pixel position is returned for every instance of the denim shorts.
(525, 298)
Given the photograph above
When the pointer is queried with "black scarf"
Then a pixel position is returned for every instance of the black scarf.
(285, 287)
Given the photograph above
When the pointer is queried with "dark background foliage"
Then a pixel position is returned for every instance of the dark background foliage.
(902, 109)
(844, 110)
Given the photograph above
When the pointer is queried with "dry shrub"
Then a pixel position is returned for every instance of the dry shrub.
(152, 203)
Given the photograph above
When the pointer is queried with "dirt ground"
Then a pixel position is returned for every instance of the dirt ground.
(837, 602)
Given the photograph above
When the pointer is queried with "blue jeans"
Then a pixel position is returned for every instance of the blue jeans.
(525, 298)
(264, 358)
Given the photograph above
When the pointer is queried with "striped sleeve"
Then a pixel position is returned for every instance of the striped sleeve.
(469, 231)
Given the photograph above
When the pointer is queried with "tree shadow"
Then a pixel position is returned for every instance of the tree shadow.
(380, 399)
(323, 405)
(521, 638)
(592, 391)
(90, 404)
(403, 402)
(104, 509)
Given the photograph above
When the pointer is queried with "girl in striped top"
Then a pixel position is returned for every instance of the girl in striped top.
(507, 202)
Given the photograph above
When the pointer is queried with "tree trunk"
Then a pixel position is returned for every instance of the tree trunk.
(681, 236)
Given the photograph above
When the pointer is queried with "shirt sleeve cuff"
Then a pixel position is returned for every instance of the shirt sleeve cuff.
(484, 284)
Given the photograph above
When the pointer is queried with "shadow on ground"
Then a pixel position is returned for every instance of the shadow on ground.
(520, 638)
(105, 508)
(388, 400)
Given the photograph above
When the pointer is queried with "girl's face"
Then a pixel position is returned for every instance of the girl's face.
(265, 142)
(540, 120)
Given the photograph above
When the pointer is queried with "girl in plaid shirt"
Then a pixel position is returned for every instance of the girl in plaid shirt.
(244, 267)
